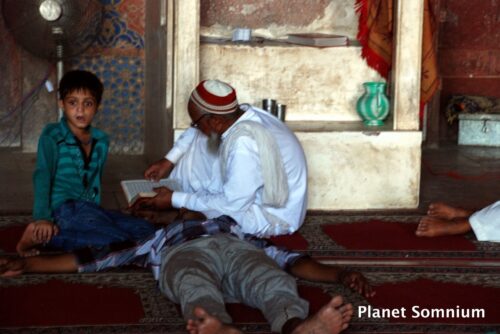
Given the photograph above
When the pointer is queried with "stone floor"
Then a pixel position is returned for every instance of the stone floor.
(467, 176)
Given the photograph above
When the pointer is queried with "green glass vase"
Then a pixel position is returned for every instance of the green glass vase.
(373, 105)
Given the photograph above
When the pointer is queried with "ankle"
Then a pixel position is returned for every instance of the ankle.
(462, 226)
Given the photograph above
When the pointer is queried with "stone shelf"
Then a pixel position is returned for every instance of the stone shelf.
(262, 42)
(337, 126)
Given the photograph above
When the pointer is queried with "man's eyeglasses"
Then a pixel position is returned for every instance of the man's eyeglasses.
(195, 124)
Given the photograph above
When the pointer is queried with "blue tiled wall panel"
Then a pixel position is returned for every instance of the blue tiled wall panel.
(121, 113)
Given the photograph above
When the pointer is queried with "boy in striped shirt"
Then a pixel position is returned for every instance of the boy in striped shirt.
(67, 178)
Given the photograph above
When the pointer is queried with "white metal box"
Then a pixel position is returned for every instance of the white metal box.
(479, 129)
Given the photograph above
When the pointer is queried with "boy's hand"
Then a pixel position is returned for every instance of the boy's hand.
(44, 231)
(357, 282)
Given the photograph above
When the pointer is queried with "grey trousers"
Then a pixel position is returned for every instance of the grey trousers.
(207, 271)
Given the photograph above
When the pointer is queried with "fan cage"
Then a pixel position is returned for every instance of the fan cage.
(74, 31)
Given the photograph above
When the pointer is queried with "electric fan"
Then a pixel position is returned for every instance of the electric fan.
(53, 29)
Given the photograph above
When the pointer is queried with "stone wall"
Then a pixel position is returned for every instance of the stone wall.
(275, 18)
(469, 53)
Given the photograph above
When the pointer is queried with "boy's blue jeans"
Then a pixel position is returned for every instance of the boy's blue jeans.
(82, 224)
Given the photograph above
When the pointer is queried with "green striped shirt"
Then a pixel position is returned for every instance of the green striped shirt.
(62, 172)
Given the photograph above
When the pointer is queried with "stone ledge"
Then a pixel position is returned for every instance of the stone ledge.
(337, 126)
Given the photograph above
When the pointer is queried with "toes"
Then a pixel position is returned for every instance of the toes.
(337, 301)
(200, 313)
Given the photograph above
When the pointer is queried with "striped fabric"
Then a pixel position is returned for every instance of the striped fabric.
(147, 253)
(63, 173)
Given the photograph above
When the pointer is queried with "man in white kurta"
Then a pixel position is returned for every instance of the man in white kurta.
(258, 176)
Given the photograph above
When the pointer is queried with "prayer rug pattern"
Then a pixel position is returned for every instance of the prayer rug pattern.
(133, 295)
(396, 287)
(381, 236)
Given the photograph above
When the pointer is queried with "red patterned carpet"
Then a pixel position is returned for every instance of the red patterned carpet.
(426, 279)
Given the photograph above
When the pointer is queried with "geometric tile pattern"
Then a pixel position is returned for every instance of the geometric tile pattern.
(121, 113)
(123, 24)
(117, 58)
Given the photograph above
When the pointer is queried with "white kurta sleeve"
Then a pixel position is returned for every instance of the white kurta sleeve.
(240, 188)
(181, 145)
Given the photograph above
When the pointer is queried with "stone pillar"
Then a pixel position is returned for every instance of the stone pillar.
(407, 64)
(186, 57)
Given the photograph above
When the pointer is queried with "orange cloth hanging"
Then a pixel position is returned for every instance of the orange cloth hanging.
(376, 37)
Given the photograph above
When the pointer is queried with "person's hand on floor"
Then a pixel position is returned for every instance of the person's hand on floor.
(312, 270)
(357, 282)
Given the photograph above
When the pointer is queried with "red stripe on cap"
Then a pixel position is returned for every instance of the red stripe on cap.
(213, 103)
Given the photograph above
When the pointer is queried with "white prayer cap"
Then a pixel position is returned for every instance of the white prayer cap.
(215, 97)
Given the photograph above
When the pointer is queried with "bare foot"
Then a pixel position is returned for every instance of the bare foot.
(26, 245)
(445, 211)
(332, 318)
(207, 324)
(435, 227)
(10, 267)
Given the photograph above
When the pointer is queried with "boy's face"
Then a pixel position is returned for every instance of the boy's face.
(79, 108)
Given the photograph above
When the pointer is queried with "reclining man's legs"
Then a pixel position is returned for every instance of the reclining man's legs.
(199, 273)
(256, 280)
(192, 276)
(203, 271)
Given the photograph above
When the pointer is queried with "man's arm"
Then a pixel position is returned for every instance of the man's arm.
(163, 167)
(305, 267)
(83, 260)
(309, 269)
(59, 263)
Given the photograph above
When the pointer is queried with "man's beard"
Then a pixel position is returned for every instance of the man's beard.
(213, 143)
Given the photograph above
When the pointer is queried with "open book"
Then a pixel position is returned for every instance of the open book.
(135, 189)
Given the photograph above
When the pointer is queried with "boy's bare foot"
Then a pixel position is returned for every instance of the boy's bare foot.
(435, 227)
(332, 318)
(10, 267)
(445, 211)
(207, 324)
(26, 245)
